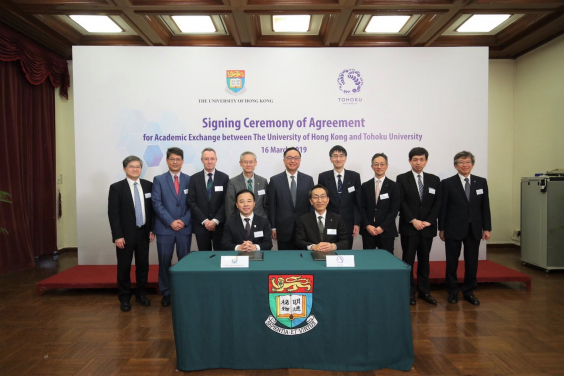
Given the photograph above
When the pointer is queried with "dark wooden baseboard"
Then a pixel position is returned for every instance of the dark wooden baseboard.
(67, 249)
(504, 245)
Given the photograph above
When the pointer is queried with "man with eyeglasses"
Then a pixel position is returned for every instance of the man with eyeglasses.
(173, 225)
(131, 221)
(344, 191)
(321, 230)
(250, 181)
(206, 198)
(288, 199)
(420, 204)
(465, 219)
(381, 203)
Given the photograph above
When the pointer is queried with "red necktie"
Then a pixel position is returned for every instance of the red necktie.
(176, 184)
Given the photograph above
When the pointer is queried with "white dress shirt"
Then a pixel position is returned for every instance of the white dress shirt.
(141, 195)
(342, 173)
(250, 224)
(417, 180)
(324, 215)
(290, 179)
(463, 182)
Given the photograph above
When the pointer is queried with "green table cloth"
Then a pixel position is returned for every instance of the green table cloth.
(289, 311)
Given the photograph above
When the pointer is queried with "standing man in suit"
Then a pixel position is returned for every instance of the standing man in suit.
(250, 181)
(321, 230)
(420, 198)
(288, 199)
(381, 202)
(465, 219)
(206, 198)
(173, 225)
(344, 191)
(246, 232)
(131, 221)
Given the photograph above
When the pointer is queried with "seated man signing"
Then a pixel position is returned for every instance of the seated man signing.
(321, 230)
(246, 232)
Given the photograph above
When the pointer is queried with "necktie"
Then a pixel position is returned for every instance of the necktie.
(138, 209)
(209, 185)
(321, 227)
(420, 183)
(176, 184)
(340, 186)
(250, 185)
(377, 190)
(247, 227)
(467, 189)
(293, 189)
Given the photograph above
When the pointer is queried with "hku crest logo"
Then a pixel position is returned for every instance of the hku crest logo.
(236, 82)
(290, 299)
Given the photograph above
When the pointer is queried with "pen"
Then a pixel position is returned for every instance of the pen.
(212, 255)
(302, 256)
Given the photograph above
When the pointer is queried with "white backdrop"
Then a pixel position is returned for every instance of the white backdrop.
(132, 100)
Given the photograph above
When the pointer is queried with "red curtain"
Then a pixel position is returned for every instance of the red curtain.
(28, 226)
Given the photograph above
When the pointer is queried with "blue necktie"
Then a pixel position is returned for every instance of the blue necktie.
(420, 183)
(138, 209)
(209, 185)
(340, 186)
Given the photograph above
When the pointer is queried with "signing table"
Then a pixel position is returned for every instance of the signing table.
(289, 311)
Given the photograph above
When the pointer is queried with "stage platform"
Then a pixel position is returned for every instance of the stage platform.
(104, 276)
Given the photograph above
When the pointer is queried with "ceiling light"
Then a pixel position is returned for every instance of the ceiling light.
(195, 24)
(482, 23)
(97, 24)
(294, 24)
(386, 24)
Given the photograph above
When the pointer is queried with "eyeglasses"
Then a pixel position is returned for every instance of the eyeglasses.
(134, 167)
(338, 156)
(175, 160)
(248, 162)
(317, 198)
(292, 158)
(379, 164)
(464, 163)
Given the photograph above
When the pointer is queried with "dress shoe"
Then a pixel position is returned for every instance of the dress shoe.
(125, 306)
(453, 298)
(165, 301)
(412, 300)
(143, 300)
(472, 299)
(427, 298)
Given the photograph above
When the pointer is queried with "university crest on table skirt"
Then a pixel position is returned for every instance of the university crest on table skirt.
(290, 298)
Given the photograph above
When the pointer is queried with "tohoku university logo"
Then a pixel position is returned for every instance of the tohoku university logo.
(350, 81)
(290, 298)
(236, 82)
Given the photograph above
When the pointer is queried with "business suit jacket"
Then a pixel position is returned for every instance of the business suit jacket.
(307, 232)
(412, 207)
(201, 207)
(457, 212)
(234, 233)
(282, 213)
(121, 210)
(238, 183)
(348, 206)
(168, 206)
(385, 211)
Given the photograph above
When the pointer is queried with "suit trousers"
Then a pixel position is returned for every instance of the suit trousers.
(210, 240)
(165, 250)
(420, 245)
(471, 251)
(377, 242)
(140, 248)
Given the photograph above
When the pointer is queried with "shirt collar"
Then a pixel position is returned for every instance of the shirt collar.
(462, 178)
(130, 182)
(177, 174)
(381, 179)
(288, 174)
(250, 217)
(247, 179)
(339, 173)
(324, 215)
(206, 173)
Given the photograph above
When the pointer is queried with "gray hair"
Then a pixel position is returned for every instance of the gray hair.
(379, 155)
(464, 154)
(208, 149)
(131, 158)
(247, 153)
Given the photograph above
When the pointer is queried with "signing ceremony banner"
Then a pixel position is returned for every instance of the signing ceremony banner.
(143, 100)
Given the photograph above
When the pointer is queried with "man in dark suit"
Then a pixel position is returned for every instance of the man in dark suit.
(250, 181)
(206, 198)
(246, 232)
(465, 219)
(321, 230)
(420, 204)
(288, 199)
(381, 202)
(344, 191)
(131, 221)
(173, 225)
